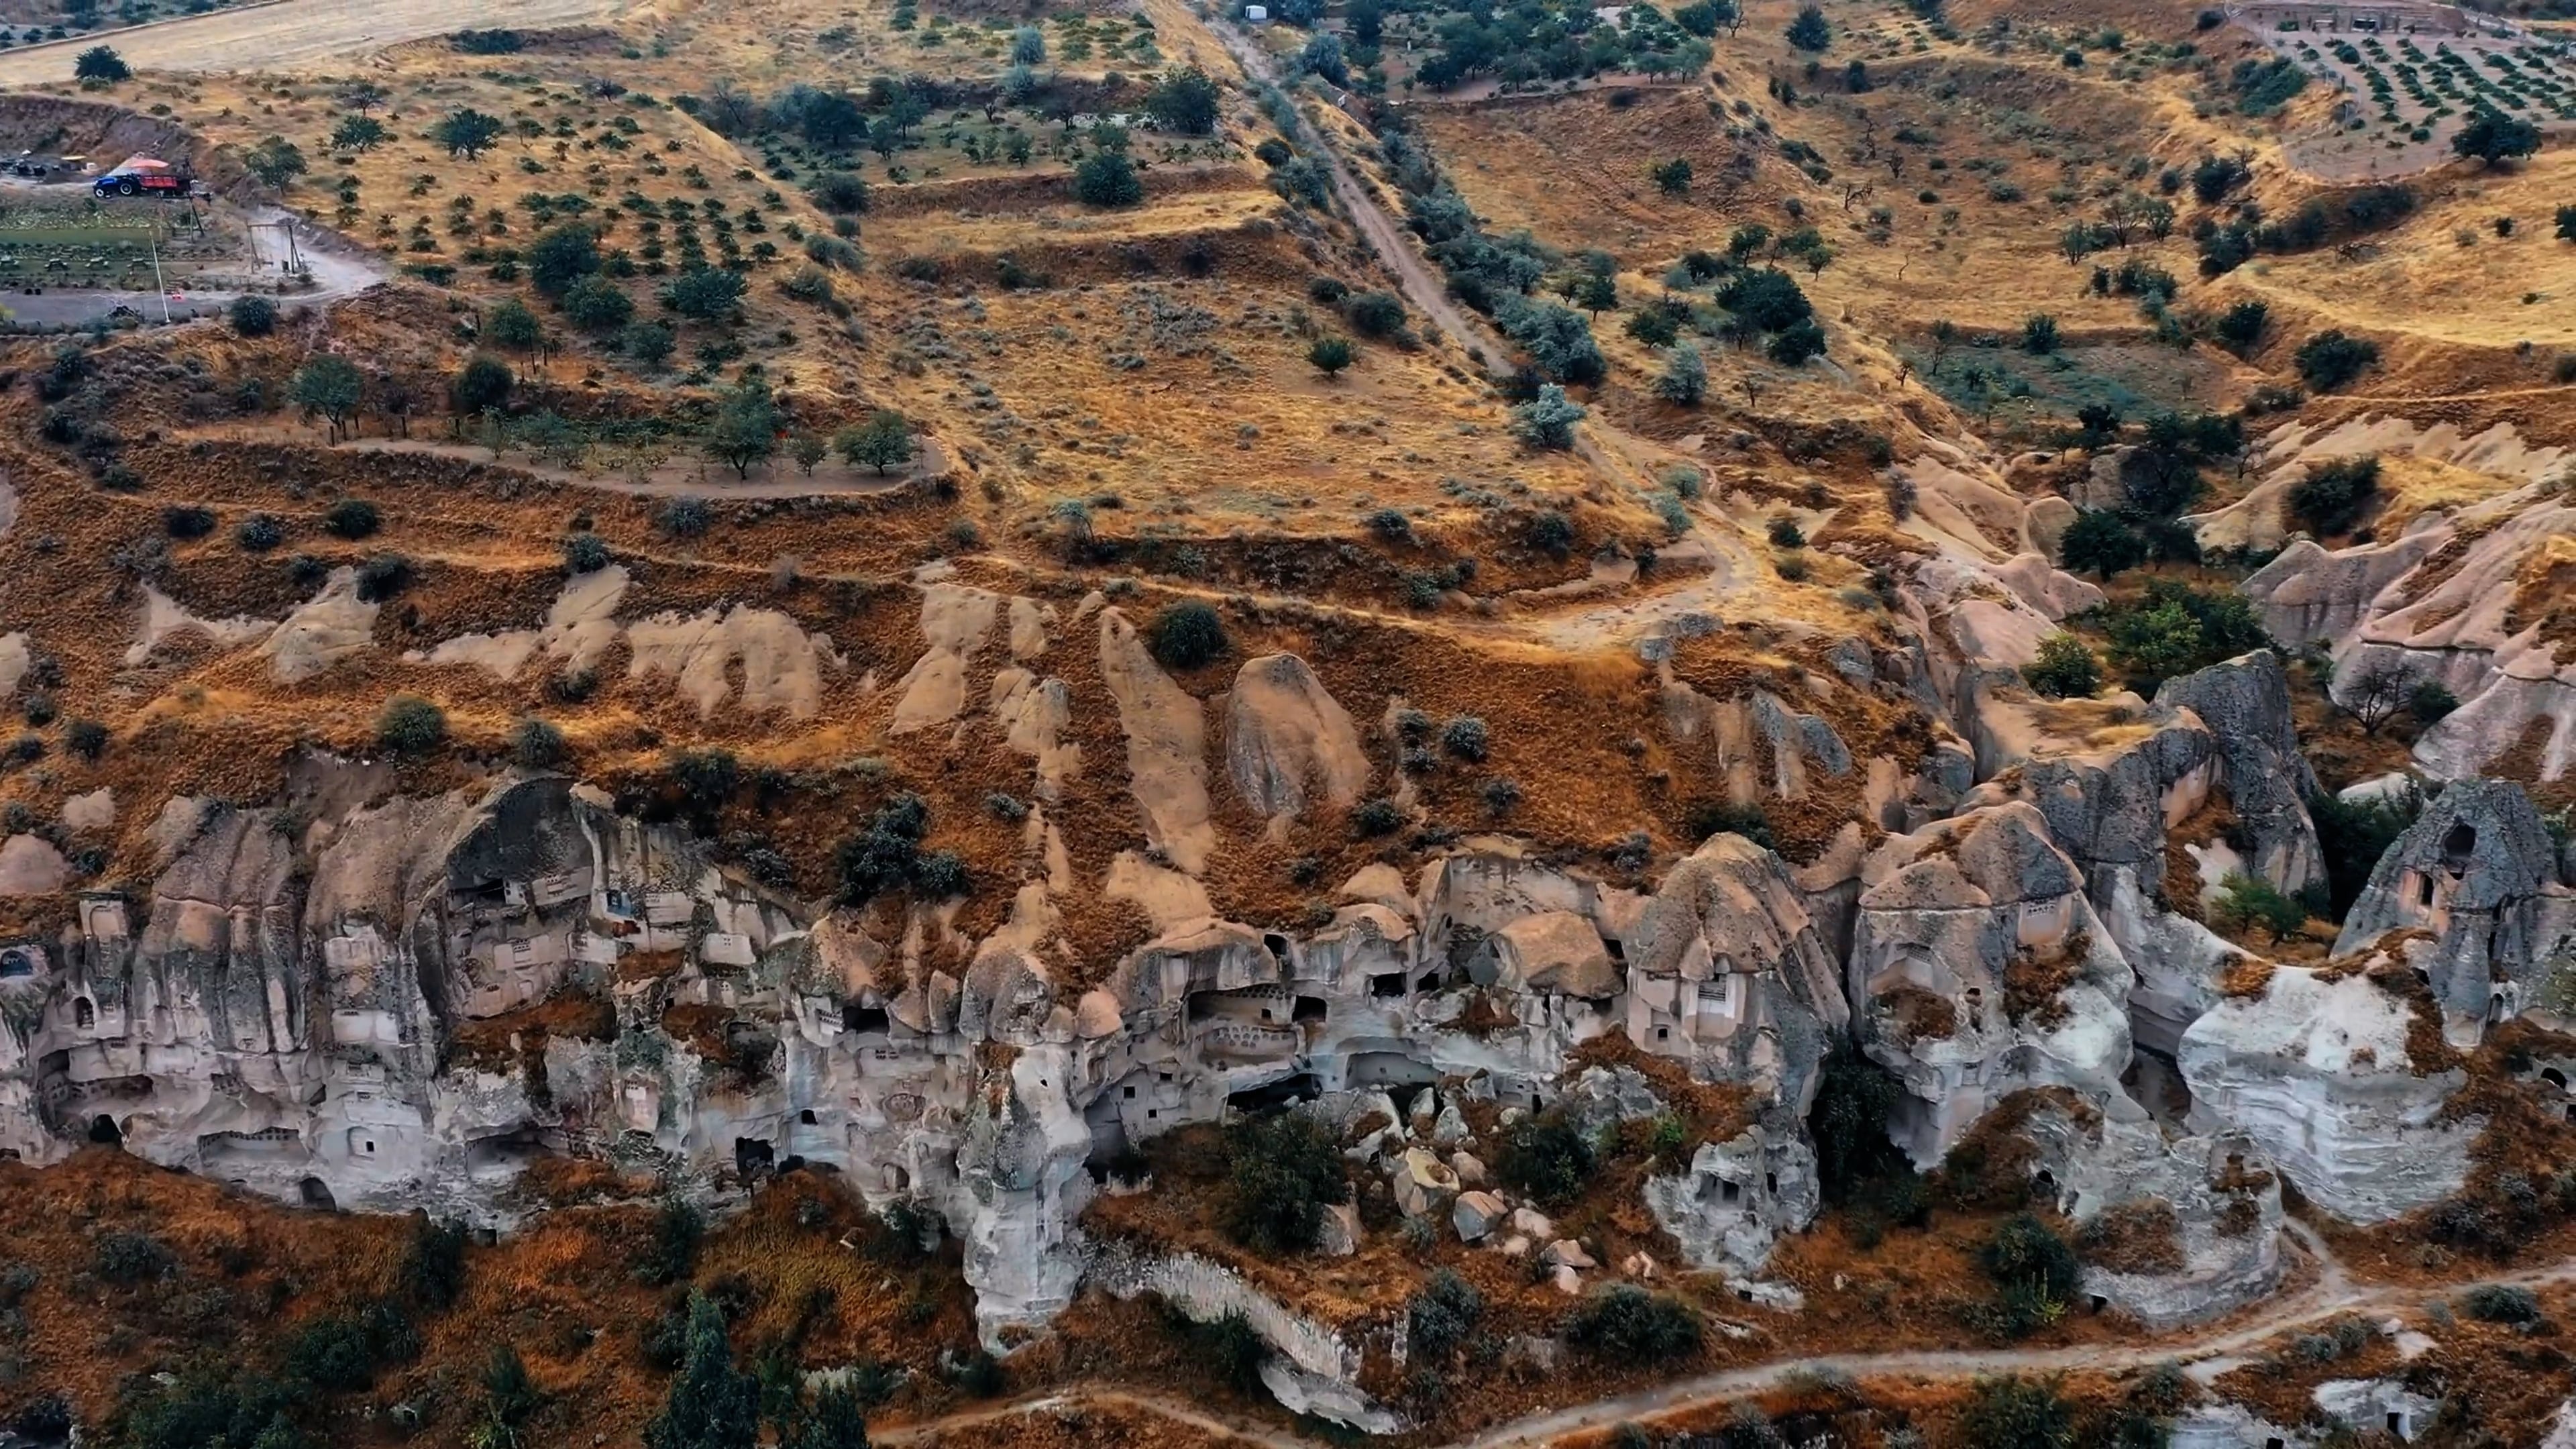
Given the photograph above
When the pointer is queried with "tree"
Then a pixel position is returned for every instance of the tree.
(837, 1419)
(2333, 497)
(744, 430)
(1187, 636)
(1185, 101)
(1810, 30)
(1323, 56)
(833, 121)
(466, 132)
(2492, 136)
(2567, 223)
(1330, 355)
(1282, 1171)
(712, 1404)
(842, 193)
(252, 315)
(1673, 178)
(2065, 669)
(360, 134)
(1798, 342)
(1624, 1323)
(2374, 693)
(649, 343)
(511, 325)
(2101, 542)
(331, 386)
(705, 293)
(1547, 421)
(2330, 360)
(276, 161)
(1685, 377)
(482, 384)
(1107, 178)
(562, 257)
(1596, 292)
(881, 442)
(362, 96)
(1028, 46)
(101, 64)
(596, 304)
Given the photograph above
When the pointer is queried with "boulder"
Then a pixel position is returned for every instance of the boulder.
(1475, 1214)
(1423, 1183)
(1738, 1197)
(1339, 1235)
(1289, 745)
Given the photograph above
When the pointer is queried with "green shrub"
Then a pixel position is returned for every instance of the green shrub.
(2501, 1303)
(252, 316)
(433, 1269)
(2013, 1412)
(259, 533)
(685, 517)
(2065, 669)
(1440, 1315)
(2330, 360)
(2246, 900)
(128, 1259)
(536, 745)
(343, 1353)
(410, 725)
(1107, 178)
(2333, 497)
(1546, 1157)
(1464, 736)
(1187, 635)
(352, 519)
(2431, 703)
(671, 1253)
(2102, 543)
(2034, 1271)
(585, 553)
(1627, 1324)
(1377, 817)
(1282, 1170)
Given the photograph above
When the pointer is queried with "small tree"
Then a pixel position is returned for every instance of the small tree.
(1810, 30)
(1672, 178)
(2241, 326)
(1109, 179)
(807, 450)
(744, 430)
(466, 132)
(100, 65)
(1184, 101)
(562, 257)
(705, 294)
(1596, 292)
(2013, 1412)
(2101, 542)
(252, 315)
(276, 161)
(882, 442)
(360, 134)
(330, 386)
(1547, 421)
(510, 324)
(1028, 46)
(2039, 334)
(712, 1404)
(2374, 693)
(1684, 380)
(482, 384)
(596, 304)
(2331, 360)
(2065, 669)
(1330, 355)
(2334, 496)
(1282, 1171)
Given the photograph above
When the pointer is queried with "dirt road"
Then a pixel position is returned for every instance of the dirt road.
(2333, 1295)
(292, 35)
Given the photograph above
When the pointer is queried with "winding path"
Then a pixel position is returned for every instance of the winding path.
(2209, 1354)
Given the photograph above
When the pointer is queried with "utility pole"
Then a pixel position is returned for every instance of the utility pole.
(157, 283)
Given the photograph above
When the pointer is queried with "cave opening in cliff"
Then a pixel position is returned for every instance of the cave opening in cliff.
(316, 1193)
(2458, 848)
(1310, 1008)
(1387, 987)
(1273, 1095)
(104, 1131)
(753, 1155)
(865, 1019)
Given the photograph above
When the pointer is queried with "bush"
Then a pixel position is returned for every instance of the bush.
(672, 1252)
(352, 519)
(1374, 818)
(2501, 1303)
(1440, 1315)
(2174, 629)
(2431, 703)
(86, 738)
(2101, 542)
(2065, 669)
(1107, 178)
(2035, 1273)
(185, 521)
(1464, 736)
(585, 553)
(252, 316)
(1187, 636)
(433, 1269)
(536, 745)
(381, 576)
(2039, 334)
(2333, 497)
(410, 725)
(1330, 355)
(1628, 1324)
(596, 304)
(342, 1354)
(1546, 1157)
(2246, 900)
(840, 193)
(684, 517)
(127, 1259)
(2331, 360)
(481, 385)
(1374, 314)
(259, 533)
(1785, 533)
(1282, 1171)
(2241, 326)
(887, 857)
(2012, 1412)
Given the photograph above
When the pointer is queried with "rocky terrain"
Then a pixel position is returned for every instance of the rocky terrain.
(1116, 725)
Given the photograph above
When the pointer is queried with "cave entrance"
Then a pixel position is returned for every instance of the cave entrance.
(1299, 1088)
(316, 1193)
(2458, 848)
(753, 1155)
(104, 1131)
